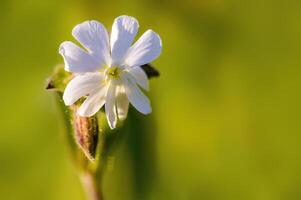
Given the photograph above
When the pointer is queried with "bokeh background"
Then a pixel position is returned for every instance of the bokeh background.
(226, 109)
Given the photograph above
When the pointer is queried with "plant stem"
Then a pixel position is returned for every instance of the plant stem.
(93, 191)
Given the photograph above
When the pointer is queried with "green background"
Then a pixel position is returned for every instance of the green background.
(226, 109)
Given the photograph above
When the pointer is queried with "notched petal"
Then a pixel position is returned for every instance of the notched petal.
(124, 30)
(146, 49)
(80, 86)
(140, 77)
(110, 105)
(94, 37)
(136, 96)
(76, 59)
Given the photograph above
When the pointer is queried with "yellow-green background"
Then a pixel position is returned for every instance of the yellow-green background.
(226, 109)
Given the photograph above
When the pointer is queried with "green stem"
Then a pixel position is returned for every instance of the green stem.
(87, 135)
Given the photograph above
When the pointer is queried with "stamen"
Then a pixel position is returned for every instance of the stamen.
(113, 72)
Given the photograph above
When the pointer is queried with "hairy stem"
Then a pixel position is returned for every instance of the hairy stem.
(93, 191)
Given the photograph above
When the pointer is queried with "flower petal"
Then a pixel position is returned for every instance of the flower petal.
(145, 50)
(139, 76)
(124, 30)
(76, 59)
(122, 103)
(135, 95)
(93, 102)
(80, 86)
(110, 105)
(94, 37)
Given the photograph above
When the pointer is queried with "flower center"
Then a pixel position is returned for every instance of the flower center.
(113, 72)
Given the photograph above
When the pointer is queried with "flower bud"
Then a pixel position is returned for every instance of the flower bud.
(85, 133)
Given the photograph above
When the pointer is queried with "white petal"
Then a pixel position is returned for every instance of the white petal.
(145, 50)
(124, 30)
(94, 37)
(76, 59)
(110, 105)
(139, 76)
(93, 102)
(80, 86)
(122, 103)
(135, 95)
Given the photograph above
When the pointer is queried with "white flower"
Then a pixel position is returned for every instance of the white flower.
(108, 71)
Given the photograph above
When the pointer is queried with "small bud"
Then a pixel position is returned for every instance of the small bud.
(150, 71)
(86, 133)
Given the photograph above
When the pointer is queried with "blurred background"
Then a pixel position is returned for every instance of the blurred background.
(226, 109)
